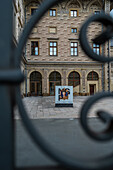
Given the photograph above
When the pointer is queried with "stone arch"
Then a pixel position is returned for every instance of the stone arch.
(74, 80)
(94, 2)
(49, 72)
(33, 71)
(72, 71)
(35, 83)
(93, 76)
(74, 4)
(92, 71)
(58, 6)
(28, 3)
(54, 80)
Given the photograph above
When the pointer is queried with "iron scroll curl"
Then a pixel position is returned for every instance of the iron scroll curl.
(40, 142)
(107, 34)
(106, 21)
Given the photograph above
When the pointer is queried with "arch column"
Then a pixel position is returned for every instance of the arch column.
(64, 78)
(45, 84)
(28, 85)
(100, 82)
(107, 6)
(83, 81)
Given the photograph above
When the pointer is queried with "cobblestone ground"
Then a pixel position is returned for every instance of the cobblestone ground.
(44, 107)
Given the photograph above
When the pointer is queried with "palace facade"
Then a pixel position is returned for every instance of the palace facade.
(53, 55)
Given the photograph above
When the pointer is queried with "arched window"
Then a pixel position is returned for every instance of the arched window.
(35, 76)
(74, 79)
(92, 76)
(36, 84)
(54, 80)
(55, 76)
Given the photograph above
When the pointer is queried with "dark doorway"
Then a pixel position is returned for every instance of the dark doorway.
(91, 86)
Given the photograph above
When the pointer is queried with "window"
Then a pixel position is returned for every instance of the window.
(33, 11)
(34, 48)
(92, 76)
(74, 48)
(96, 48)
(52, 30)
(97, 12)
(74, 79)
(111, 42)
(73, 13)
(52, 12)
(53, 48)
(74, 30)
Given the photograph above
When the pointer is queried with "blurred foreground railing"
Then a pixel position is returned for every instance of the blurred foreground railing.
(11, 77)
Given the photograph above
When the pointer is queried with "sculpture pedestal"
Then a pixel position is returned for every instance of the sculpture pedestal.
(64, 96)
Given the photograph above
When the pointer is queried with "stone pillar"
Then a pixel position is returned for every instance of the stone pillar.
(45, 83)
(100, 81)
(83, 81)
(106, 77)
(107, 6)
(64, 77)
(48, 85)
(28, 85)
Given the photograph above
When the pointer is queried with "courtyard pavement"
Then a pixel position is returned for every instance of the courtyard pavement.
(44, 107)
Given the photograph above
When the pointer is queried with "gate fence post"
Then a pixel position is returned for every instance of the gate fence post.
(6, 124)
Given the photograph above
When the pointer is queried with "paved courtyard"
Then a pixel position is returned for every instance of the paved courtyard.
(60, 128)
(44, 107)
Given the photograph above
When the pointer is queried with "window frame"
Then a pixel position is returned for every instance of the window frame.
(31, 10)
(74, 78)
(91, 76)
(97, 12)
(73, 47)
(53, 9)
(96, 48)
(73, 9)
(53, 47)
(38, 48)
(52, 32)
(73, 29)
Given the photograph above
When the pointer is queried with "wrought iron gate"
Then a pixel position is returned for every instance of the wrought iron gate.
(11, 77)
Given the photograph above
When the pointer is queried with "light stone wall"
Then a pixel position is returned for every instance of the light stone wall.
(64, 63)
(18, 17)
(18, 24)
(64, 72)
(107, 53)
(64, 37)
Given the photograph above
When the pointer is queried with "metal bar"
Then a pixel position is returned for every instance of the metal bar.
(6, 125)
(43, 168)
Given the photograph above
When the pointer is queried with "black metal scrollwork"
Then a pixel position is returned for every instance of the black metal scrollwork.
(104, 116)
(108, 134)
(107, 21)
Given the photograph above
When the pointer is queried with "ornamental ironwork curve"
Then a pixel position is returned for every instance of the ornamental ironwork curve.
(15, 77)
